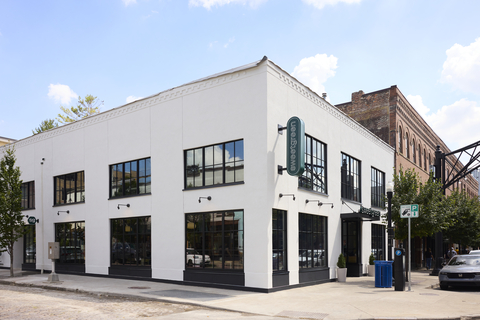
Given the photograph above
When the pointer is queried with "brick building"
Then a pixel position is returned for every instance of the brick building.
(389, 115)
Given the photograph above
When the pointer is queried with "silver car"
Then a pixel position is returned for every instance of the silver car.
(461, 270)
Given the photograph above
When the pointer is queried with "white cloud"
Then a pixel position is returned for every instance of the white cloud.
(314, 71)
(231, 40)
(208, 4)
(61, 93)
(132, 98)
(129, 2)
(417, 103)
(456, 124)
(319, 4)
(462, 67)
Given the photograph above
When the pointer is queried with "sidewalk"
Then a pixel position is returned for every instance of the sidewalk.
(358, 298)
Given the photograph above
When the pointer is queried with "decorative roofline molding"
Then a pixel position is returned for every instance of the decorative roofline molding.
(322, 103)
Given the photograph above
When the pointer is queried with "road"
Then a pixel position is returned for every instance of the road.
(34, 303)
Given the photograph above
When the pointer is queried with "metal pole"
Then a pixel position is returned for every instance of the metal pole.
(409, 258)
(389, 226)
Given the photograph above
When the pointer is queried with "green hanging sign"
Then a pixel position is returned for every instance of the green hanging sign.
(295, 146)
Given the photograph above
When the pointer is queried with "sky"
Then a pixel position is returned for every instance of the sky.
(53, 51)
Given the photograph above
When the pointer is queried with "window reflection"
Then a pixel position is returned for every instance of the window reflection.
(312, 241)
(214, 240)
(70, 188)
(130, 178)
(215, 164)
(131, 242)
(71, 237)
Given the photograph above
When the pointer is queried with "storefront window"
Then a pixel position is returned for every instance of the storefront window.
(279, 240)
(131, 242)
(378, 241)
(312, 241)
(29, 245)
(214, 240)
(71, 237)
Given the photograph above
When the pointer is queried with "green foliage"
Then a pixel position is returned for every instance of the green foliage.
(341, 263)
(86, 107)
(434, 214)
(11, 224)
(371, 259)
(45, 125)
(465, 216)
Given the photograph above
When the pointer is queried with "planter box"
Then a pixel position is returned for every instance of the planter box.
(342, 274)
(371, 270)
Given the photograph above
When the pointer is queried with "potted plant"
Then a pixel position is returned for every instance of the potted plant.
(371, 265)
(341, 268)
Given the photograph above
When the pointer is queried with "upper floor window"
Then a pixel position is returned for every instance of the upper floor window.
(214, 165)
(70, 188)
(130, 178)
(413, 152)
(28, 195)
(315, 175)
(351, 182)
(400, 140)
(378, 188)
(424, 160)
(407, 149)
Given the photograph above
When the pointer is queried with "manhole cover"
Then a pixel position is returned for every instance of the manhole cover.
(142, 288)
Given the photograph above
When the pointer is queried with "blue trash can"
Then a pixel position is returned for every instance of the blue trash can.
(383, 274)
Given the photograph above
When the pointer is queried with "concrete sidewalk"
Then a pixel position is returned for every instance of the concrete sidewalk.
(358, 298)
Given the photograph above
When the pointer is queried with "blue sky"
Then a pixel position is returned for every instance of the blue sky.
(52, 51)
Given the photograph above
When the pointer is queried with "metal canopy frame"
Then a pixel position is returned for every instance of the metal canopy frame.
(450, 178)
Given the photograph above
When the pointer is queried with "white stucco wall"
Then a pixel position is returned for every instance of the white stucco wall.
(249, 105)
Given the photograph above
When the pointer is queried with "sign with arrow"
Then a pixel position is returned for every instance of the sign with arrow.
(409, 211)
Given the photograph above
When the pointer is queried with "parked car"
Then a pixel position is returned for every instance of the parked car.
(196, 259)
(461, 270)
(474, 252)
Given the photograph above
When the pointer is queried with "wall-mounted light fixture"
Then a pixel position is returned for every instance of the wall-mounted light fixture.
(287, 195)
(58, 213)
(124, 205)
(307, 201)
(322, 203)
(200, 199)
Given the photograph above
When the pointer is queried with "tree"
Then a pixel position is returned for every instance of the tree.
(85, 108)
(465, 219)
(11, 225)
(434, 211)
(45, 125)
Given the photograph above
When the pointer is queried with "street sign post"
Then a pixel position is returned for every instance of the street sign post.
(409, 211)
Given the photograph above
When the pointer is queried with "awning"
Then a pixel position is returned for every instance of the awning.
(364, 214)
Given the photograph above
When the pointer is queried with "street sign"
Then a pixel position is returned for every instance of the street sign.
(409, 211)
(31, 220)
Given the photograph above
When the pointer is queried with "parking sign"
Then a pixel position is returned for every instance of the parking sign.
(409, 211)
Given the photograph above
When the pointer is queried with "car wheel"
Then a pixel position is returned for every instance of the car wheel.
(444, 286)
(190, 263)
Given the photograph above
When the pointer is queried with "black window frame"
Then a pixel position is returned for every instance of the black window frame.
(68, 255)
(30, 244)
(377, 188)
(28, 195)
(138, 250)
(218, 169)
(141, 188)
(312, 239)
(314, 177)
(78, 189)
(279, 241)
(378, 241)
(348, 190)
(201, 231)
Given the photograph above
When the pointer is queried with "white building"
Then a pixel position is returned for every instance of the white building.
(184, 186)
